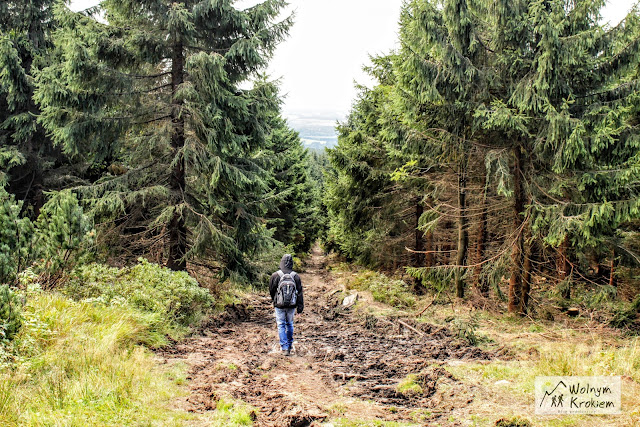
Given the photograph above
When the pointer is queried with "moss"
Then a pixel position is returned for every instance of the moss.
(409, 387)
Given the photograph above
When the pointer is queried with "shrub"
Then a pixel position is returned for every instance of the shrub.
(466, 329)
(627, 315)
(174, 296)
(10, 316)
(63, 232)
(16, 236)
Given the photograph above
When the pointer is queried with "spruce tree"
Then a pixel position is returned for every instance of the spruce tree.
(369, 212)
(156, 100)
(16, 238)
(439, 86)
(546, 88)
(28, 161)
(295, 211)
(565, 92)
(533, 102)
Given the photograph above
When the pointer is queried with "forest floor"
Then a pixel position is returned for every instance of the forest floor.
(362, 365)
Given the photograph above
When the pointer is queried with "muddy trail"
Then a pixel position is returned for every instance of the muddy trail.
(344, 363)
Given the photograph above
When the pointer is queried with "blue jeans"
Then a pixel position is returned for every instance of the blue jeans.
(284, 320)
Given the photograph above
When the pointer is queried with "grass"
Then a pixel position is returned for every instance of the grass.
(78, 363)
(344, 422)
(338, 408)
(503, 388)
(409, 386)
(570, 353)
(393, 292)
(535, 348)
(231, 413)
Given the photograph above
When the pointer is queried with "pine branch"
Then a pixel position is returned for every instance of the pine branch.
(138, 92)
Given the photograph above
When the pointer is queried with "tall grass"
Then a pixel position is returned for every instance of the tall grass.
(575, 354)
(78, 363)
(591, 359)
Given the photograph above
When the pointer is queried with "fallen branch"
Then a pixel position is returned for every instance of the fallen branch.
(427, 307)
(333, 292)
(411, 328)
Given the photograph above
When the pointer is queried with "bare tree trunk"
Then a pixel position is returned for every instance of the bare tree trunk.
(515, 281)
(526, 270)
(177, 226)
(563, 266)
(481, 285)
(418, 255)
(463, 238)
(612, 277)
(429, 258)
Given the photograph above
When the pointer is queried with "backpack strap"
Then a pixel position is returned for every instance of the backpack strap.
(293, 274)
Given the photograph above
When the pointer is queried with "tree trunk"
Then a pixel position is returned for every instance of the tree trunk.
(429, 259)
(26, 181)
(446, 245)
(418, 255)
(612, 277)
(481, 241)
(463, 238)
(526, 269)
(177, 226)
(563, 266)
(515, 281)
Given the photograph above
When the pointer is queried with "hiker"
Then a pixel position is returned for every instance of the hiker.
(285, 288)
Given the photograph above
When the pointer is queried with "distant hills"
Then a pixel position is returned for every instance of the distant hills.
(317, 130)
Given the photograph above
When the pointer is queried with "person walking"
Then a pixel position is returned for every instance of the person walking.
(286, 292)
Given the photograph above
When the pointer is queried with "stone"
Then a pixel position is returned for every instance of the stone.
(573, 311)
(350, 300)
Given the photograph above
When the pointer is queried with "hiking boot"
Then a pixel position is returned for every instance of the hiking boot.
(287, 352)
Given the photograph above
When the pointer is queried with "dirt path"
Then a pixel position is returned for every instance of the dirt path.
(344, 364)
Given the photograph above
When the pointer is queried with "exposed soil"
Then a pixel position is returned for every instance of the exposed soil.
(344, 364)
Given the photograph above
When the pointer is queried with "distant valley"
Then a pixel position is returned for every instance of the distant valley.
(317, 130)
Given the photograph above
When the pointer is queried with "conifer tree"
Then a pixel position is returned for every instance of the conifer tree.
(154, 99)
(531, 101)
(355, 191)
(531, 86)
(16, 238)
(296, 211)
(369, 212)
(565, 100)
(27, 157)
(439, 85)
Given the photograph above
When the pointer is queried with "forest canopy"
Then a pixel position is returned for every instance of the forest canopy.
(157, 117)
(497, 153)
(500, 144)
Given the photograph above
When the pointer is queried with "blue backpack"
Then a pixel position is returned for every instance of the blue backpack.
(287, 293)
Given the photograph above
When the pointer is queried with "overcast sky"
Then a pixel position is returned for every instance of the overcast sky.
(330, 42)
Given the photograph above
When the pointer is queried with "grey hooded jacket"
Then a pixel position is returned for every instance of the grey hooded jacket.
(286, 265)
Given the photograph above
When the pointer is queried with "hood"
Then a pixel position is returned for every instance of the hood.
(286, 263)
